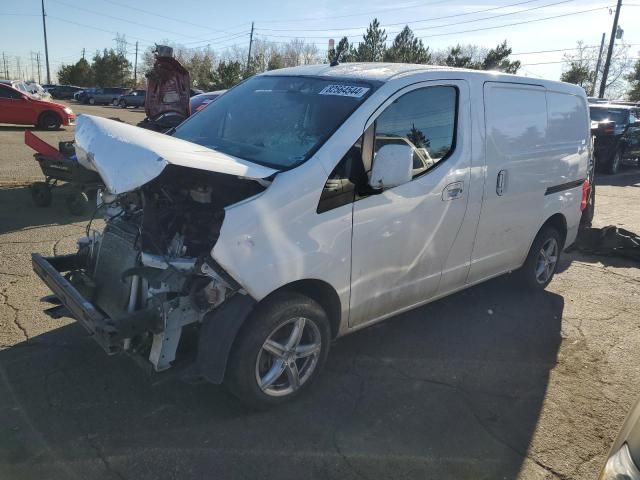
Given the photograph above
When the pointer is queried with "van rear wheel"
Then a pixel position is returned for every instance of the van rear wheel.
(279, 351)
(541, 264)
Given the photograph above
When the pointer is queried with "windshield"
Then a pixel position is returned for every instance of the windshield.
(275, 121)
(619, 116)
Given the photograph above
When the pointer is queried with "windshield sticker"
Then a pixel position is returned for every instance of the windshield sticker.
(344, 91)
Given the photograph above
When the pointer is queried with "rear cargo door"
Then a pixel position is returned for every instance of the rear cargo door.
(515, 129)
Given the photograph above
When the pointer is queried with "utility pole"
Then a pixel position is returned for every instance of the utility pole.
(135, 68)
(595, 73)
(5, 70)
(250, 45)
(46, 46)
(38, 60)
(612, 40)
(19, 68)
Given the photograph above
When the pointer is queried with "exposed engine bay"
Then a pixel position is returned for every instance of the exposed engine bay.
(153, 258)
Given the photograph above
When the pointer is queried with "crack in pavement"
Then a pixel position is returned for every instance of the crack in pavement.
(15, 310)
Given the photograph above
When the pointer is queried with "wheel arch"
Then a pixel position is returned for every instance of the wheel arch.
(559, 222)
(321, 292)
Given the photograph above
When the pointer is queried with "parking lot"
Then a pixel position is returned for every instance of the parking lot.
(490, 383)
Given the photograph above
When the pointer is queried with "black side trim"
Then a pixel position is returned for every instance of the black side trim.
(564, 186)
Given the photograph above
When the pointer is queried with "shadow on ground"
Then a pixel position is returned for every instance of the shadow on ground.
(450, 390)
(18, 211)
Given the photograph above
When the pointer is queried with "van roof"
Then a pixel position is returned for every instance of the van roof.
(384, 72)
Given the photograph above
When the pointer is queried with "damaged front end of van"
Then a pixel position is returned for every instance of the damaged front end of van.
(150, 272)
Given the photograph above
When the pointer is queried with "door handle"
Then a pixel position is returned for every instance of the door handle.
(452, 191)
(500, 182)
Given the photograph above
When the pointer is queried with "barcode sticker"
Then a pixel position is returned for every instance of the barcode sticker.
(344, 91)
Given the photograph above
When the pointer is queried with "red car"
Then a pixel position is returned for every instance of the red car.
(19, 108)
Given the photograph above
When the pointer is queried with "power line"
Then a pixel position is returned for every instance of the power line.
(369, 13)
(112, 32)
(469, 21)
(102, 14)
(516, 23)
(169, 18)
(430, 19)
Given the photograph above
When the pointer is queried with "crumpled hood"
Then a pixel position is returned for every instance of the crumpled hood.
(127, 157)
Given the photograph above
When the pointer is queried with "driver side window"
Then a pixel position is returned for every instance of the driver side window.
(424, 119)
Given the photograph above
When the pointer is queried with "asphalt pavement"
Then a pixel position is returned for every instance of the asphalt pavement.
(490, 383)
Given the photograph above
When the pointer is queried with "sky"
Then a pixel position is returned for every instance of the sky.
(74, 25)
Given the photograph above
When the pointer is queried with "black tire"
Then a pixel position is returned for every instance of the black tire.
(247, 359)
(615, 161)
(77, 203)
(49, 121)
(123, 104)
(529, 272)
(114, 102)
(41, 194)
(91, 101)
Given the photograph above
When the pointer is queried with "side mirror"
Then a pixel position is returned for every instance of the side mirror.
(392, 166)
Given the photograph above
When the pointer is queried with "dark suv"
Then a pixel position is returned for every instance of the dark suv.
(105, 96)
(616, 129)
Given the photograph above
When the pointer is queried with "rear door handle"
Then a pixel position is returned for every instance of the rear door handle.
(452, 191)
(502, 174)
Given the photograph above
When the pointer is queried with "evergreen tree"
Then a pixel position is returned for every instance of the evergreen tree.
(80, 74)
(406, 48)
(110, 69)
(579, 74)
(498, 59)
(634, 80)
(373, 46)
(456, 58)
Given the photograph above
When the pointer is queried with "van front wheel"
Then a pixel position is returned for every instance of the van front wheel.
(279, 351)
(541, 264)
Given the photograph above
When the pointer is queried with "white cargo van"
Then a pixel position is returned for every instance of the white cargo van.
(310, 202)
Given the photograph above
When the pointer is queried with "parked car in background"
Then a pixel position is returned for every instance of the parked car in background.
(616, 129)
(275, 220)
(64, 92)
(198, 102)
(104, 96)
(30, 88)
(36, 90)
(17, 107)
(134, 98)
(623, 462)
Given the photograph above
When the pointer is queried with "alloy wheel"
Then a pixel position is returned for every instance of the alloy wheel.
(288, 357)
(546, 262)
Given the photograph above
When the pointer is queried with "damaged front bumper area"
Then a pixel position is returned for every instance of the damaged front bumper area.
(110, 333)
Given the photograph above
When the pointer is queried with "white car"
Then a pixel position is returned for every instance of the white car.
(281, 217)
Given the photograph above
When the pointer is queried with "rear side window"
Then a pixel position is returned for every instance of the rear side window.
(515, 120)
(424, 119)
(567, 119)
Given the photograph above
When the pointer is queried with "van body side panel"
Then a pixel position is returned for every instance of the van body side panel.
(568, 148)
(517, 169)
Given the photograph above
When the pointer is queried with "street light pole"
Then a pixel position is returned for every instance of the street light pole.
(46, 47)
(612, 40)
